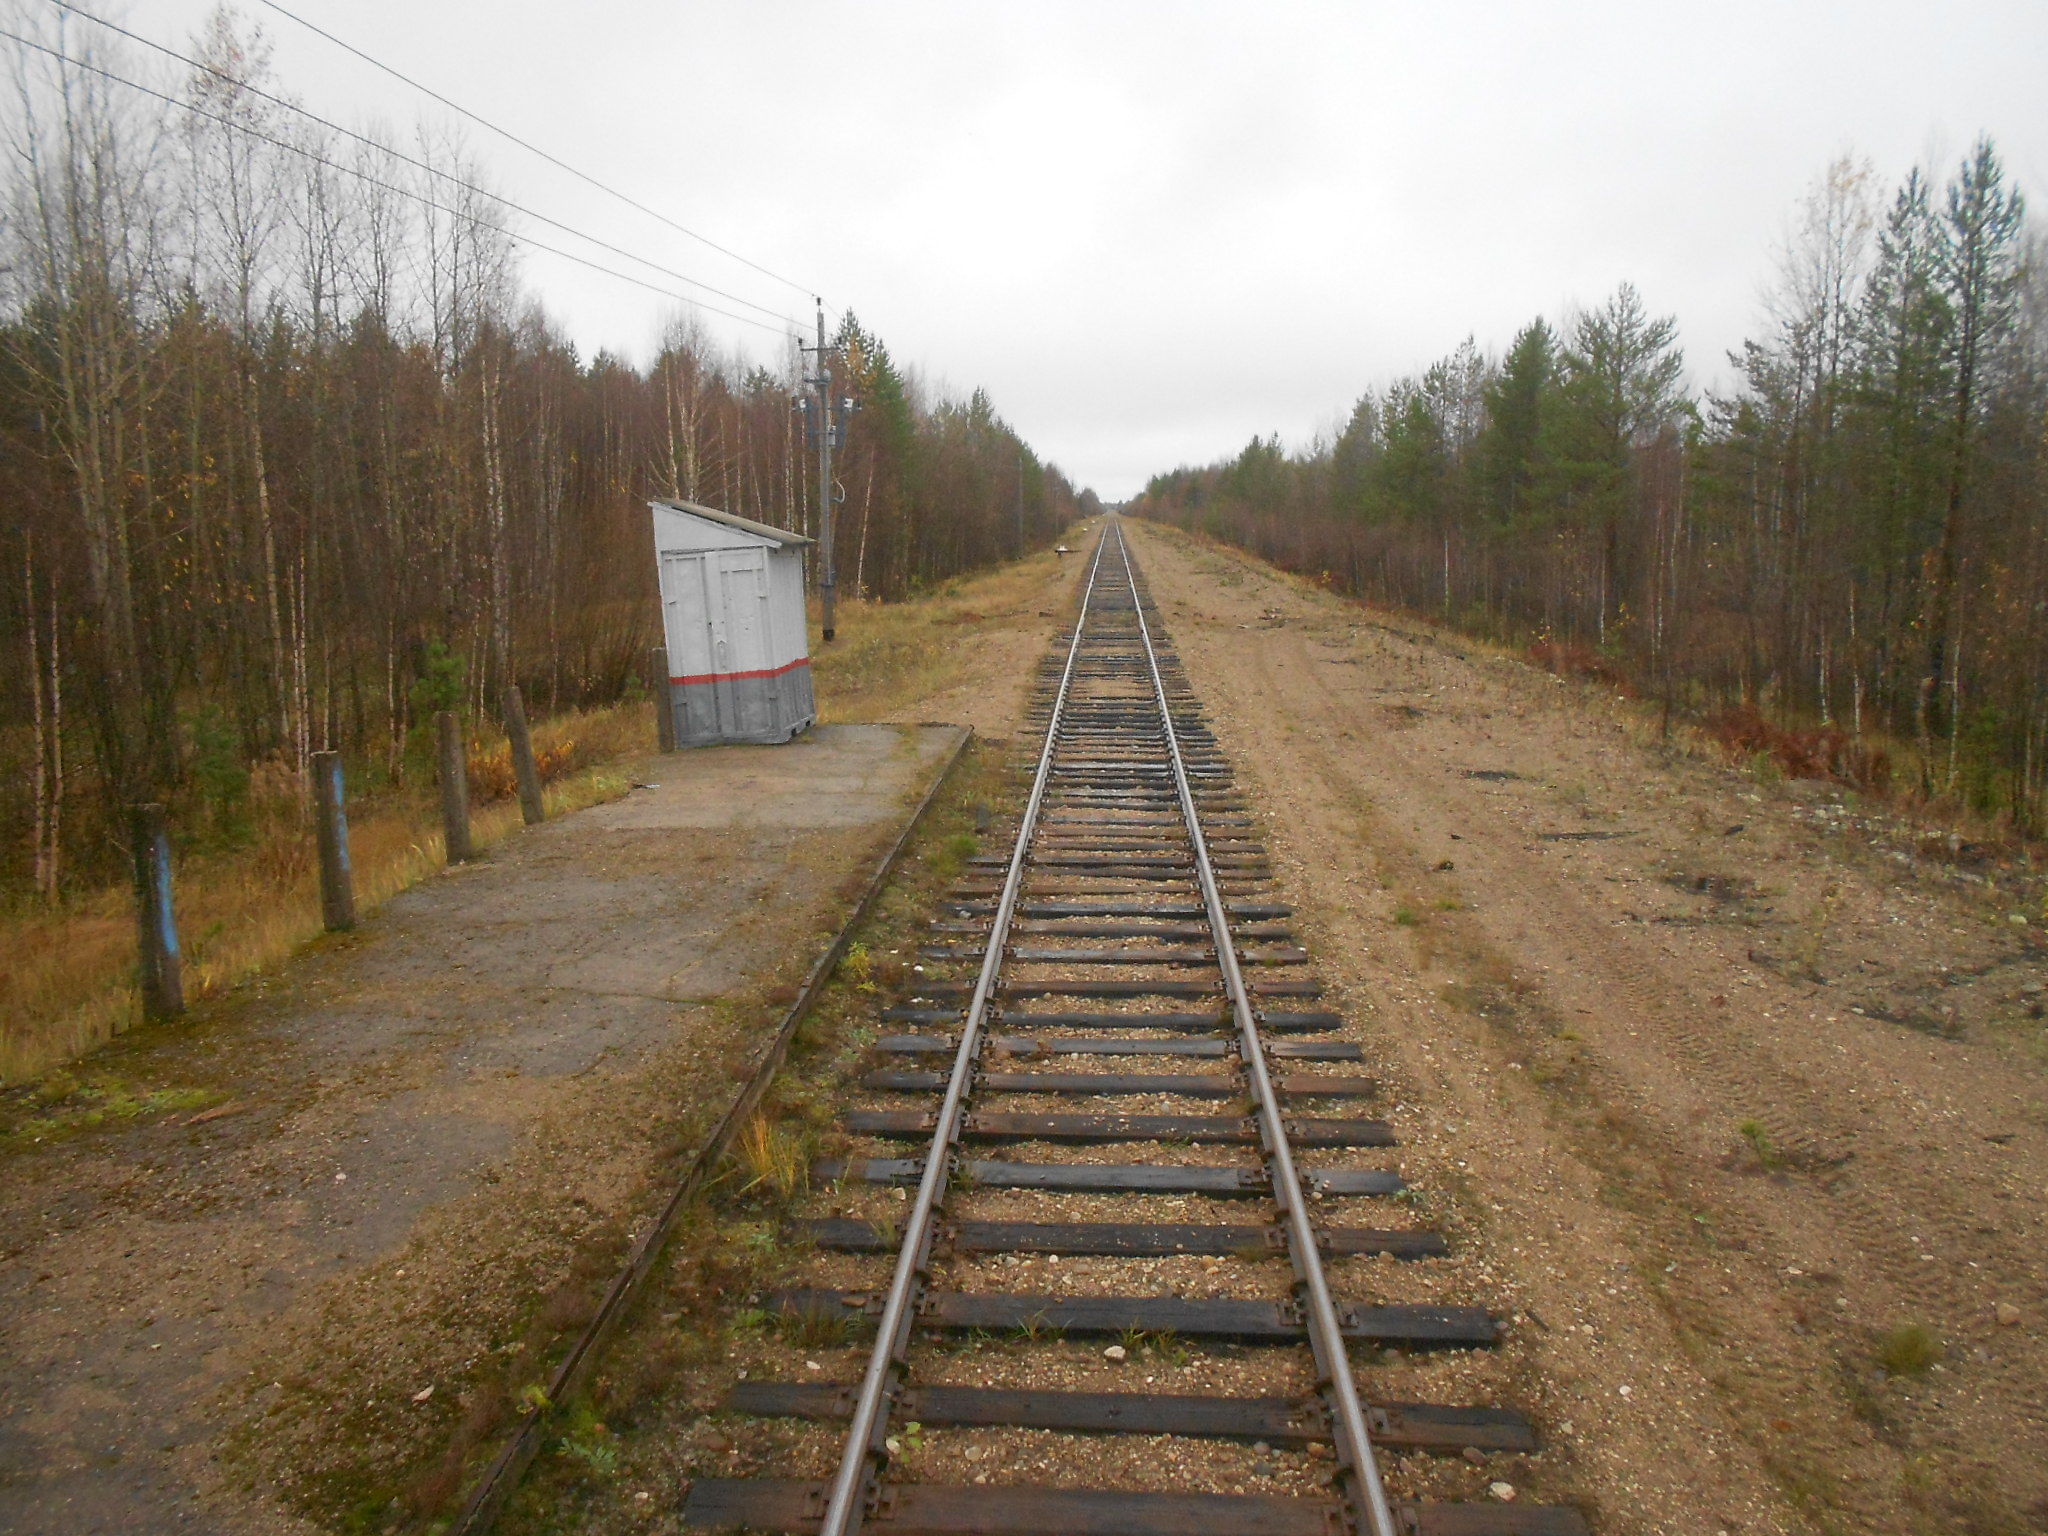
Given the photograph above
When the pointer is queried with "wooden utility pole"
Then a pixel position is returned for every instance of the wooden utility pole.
(827, 418)
(828, 581)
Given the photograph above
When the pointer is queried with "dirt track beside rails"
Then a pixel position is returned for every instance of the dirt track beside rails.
(1712, 1182)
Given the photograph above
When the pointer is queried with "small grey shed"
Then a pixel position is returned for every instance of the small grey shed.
(732, 611)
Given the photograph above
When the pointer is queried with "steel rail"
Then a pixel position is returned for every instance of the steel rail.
(487, 1500)
(864, 1452)
(1365, 1491)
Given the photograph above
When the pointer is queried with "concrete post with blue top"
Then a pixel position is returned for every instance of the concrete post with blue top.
(160, 967)
(337, 879)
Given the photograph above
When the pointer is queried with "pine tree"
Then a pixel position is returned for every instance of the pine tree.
(1509, 449)
(1620, 389)
(1979, 266)
(1900, 377)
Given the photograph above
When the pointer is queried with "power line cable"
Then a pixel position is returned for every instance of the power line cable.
(786, 328)
(399, 154)
(505, 133)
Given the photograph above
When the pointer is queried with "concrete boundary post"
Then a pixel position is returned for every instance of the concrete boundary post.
(161, 968)
(524, 768)
(454, 787)
(664, 698)
(330, 828)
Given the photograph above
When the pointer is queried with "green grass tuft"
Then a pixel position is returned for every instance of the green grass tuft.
(1908, 1350)
(1759, 1139)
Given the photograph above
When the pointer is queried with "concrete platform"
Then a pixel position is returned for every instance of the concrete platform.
(423, 1122)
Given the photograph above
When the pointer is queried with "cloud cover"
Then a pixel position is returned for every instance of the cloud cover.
(1153, 230)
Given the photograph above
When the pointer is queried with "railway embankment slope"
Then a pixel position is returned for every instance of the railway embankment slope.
(1749, 1096)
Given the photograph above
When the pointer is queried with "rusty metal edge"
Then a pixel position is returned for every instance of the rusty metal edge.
(501, 1479)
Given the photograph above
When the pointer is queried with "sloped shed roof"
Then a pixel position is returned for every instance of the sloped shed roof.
(733, 520)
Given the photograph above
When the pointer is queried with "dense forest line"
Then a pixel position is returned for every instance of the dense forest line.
(1851, 543)
(288, 457)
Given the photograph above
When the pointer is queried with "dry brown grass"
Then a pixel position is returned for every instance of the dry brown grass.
(889, 655)
(67, 972)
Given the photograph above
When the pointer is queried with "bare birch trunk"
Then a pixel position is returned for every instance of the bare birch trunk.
(1955, 696)
(1821, 659)
(302, 683)
(56, 864)
(668, 401)
(267, 537)
(860, 563)
(724, 468)
(549, 477)
(1855, 671)
(495, 512)
(789, 509)
(394, 762)
(39, 786)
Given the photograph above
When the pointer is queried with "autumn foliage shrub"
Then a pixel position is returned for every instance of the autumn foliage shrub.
(1574, 658)
(1821, 752)
(491, 775)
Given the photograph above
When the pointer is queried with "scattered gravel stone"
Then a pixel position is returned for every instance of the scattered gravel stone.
(1114, 1352)
(2008, 1315)
(1505, 1492)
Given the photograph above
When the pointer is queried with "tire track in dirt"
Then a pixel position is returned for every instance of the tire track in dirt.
(1632, 1467)
(1775, 1376)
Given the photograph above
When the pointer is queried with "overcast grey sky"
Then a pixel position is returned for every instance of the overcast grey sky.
(1153, 230)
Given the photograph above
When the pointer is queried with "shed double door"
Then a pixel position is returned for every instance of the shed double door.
(719, 602)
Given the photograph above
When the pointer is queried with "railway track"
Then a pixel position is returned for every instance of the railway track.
(1126, 1066)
